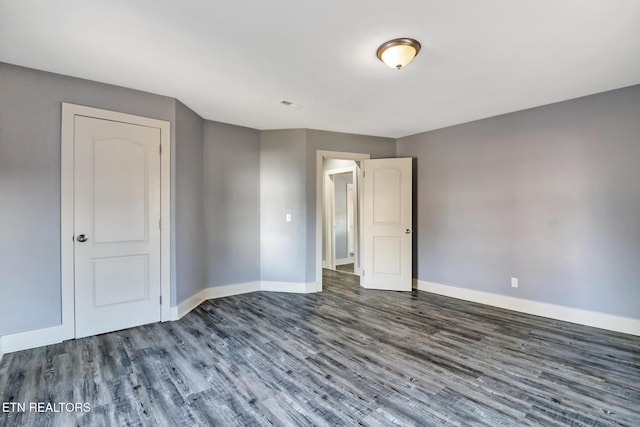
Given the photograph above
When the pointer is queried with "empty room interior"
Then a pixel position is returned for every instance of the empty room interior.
(320, 213)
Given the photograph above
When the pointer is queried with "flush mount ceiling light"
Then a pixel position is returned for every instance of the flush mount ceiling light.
(398, 53)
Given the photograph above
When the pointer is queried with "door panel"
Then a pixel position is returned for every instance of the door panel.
(118, 280)
(387, 206)
(387, 255)
(387, 216)
(117, 207)
(120, 205)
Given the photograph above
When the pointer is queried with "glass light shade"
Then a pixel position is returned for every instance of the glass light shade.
(398, 53)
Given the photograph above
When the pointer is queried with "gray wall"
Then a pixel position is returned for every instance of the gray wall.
(282, 191)
(288, 185)
(232, 203)
(550, 195)
(30, 108)
(189, 206)
(213, 244)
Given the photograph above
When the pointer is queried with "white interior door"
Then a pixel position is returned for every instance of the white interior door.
(117, 225)
(387, 219)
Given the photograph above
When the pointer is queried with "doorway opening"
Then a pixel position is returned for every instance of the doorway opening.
(385, 238)
(341, 211)
(341, 165)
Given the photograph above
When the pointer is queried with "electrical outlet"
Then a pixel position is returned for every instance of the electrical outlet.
(514, 282)
(288, 217)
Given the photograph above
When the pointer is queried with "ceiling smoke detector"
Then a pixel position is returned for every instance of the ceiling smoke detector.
(291, 104)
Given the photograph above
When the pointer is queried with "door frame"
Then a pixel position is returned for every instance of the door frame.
(330, 215)
(67, 263)
(355, 214)
(321, 155)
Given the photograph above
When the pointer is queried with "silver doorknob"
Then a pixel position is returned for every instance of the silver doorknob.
(82, 238)
(407, 231)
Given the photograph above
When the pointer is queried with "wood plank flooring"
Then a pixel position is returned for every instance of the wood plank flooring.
(347, 268)
(347, 356)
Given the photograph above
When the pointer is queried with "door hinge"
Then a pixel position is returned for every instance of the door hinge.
(160, 148)
(160, 299)
(160, 224)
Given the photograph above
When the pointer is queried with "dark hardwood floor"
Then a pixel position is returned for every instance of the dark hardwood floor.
(347, 356)
(347, 268)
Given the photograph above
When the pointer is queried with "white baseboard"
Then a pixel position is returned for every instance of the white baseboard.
(611, 322)
(56, 334)
(42, 337)
(290, 287)
(175, 313)
(343, 261)
(31, 339)
(211, 293)
(214, 292)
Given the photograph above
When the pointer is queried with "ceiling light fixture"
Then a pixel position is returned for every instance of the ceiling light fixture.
(398, 53)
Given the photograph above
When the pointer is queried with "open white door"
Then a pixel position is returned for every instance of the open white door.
(386, 251)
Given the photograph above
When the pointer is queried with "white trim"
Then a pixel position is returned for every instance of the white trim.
(31, 339)
(69, 111)
(328, 221)
(175, 313)
(189, 304)
(212, 293)
(290, 287)
(165, 215)
(343, 261)
(66, 220)
(338, 171)
(611, 322)
(320, 156)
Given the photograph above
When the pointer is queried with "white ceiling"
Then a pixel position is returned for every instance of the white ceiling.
(233, 61)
